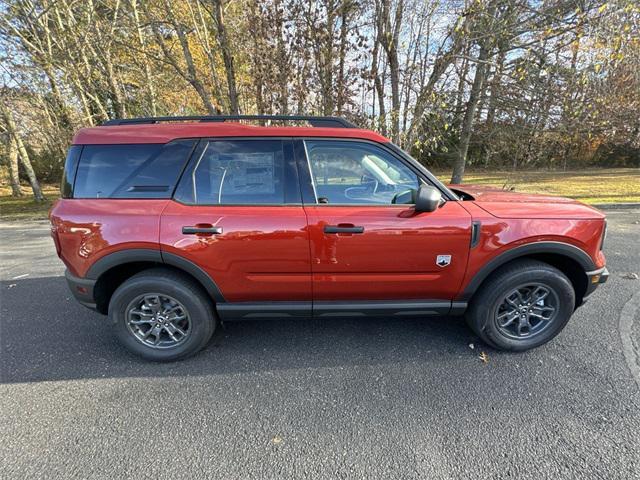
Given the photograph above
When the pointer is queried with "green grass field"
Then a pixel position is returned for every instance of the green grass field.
(613, 185)
(610, 185)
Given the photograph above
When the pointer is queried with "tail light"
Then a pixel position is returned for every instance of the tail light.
(54, 235)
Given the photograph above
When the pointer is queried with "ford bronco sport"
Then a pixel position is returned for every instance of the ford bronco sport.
(172, 224)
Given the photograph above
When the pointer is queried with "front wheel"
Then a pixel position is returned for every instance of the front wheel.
(162, 315)
(524, 305)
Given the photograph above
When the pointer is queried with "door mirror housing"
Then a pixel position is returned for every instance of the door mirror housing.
(428, 199)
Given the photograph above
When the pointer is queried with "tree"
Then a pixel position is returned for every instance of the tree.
(23, 155)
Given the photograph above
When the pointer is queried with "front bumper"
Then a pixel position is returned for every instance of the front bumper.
(594, 279)
(82, 289)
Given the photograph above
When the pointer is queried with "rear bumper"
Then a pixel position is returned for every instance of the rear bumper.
(594, 279)
(82, 289)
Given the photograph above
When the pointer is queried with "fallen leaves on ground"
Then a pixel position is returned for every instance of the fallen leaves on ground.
(484, 358)
(629, 276)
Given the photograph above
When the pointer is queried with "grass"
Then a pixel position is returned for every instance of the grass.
(25, 207)
(611, 185)
(605, 185)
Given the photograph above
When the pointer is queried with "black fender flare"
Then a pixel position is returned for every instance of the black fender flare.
(576, 254)
(131, 255)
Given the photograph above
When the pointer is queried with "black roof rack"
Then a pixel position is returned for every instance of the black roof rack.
(333, 122)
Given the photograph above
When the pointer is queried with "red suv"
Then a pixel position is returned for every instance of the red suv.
(170, 225)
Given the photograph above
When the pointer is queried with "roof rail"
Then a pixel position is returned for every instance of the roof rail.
(333, 122)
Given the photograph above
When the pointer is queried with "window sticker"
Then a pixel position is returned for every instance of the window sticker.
(248, 173)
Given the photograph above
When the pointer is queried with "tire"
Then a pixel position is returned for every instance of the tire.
(161, 303)
(492, 307)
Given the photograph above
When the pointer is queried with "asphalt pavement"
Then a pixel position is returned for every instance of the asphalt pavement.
(331, 398)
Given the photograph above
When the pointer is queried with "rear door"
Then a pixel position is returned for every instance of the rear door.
(237, 214)
(369, 253)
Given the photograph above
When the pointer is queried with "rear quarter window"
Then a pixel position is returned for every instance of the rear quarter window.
(131, 171)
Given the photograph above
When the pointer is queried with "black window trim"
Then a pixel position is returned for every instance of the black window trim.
(75, 173)
(422, 173)
(198, 152)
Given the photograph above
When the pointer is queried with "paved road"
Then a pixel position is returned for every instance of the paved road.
(315, 399)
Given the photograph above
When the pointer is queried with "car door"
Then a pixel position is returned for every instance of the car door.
(368, 253)
(237, 215)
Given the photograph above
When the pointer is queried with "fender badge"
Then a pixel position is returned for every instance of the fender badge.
(443, 260)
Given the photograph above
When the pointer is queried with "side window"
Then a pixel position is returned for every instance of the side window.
(239, 172)
(357, 173)
(131, 171)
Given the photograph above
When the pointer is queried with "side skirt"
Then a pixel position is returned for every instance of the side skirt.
(262, 310)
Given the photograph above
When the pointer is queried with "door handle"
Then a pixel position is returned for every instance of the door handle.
(343, 229)
(194, 230)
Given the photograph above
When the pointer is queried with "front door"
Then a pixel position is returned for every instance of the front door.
(237, 215)
(366, 249)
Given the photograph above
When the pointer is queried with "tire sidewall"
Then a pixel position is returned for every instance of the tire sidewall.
(200, 314)
(552, 279)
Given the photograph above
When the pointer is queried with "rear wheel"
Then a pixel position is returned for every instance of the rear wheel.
(523, 305)
(162, 315)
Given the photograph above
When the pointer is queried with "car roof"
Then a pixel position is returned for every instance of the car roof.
(166, 132)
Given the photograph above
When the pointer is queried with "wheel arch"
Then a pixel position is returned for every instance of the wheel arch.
(569, 259)
(110, 271)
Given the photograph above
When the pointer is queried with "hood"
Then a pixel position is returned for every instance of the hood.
(510, 204)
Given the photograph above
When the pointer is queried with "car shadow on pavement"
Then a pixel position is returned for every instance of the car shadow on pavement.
(46, 336)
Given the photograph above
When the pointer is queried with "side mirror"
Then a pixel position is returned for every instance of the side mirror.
(428, 199)
(407, 197)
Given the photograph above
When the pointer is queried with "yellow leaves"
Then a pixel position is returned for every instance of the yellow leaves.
(602, 8)
(484, 358)
(597, 68)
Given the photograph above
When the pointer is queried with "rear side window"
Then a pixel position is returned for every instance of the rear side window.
(131, 171)
(241, 172)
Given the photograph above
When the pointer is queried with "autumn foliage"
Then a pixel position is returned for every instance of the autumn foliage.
(498, 84)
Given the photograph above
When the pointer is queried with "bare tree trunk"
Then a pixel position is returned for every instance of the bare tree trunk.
(28, 168)
(377, 82)
(14, 178)
(442, 62)
(325, 59)
(464, 70)
(342, 52)
(191, 75)
(495, 91)
(22, 152)
(283, 62)
(227, 57)
(467, 122)
(391, 37)
(151, 94)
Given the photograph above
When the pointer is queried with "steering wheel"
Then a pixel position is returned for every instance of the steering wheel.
(362, 191)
